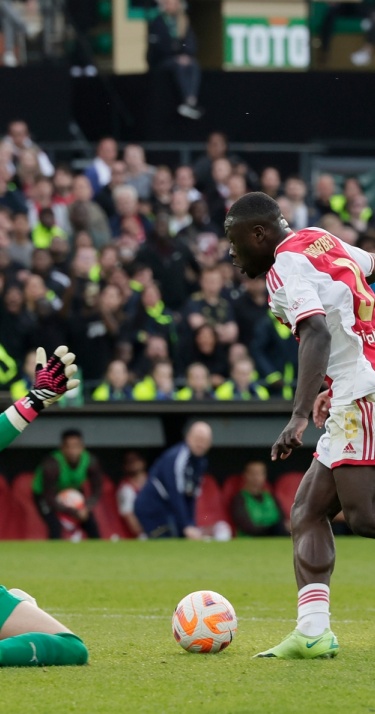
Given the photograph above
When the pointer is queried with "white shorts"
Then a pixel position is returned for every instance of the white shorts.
(350, 435)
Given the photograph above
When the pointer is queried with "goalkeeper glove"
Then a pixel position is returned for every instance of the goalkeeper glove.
(52, 380)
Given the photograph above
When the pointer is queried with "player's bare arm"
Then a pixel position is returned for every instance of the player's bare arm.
(314, 350)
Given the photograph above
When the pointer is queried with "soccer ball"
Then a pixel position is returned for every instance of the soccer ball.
(204, 621)
(71, 498)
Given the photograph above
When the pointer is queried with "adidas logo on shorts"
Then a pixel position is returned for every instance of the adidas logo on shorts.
(349, 449)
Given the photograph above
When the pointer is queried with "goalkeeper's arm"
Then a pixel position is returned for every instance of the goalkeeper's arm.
(52, 380)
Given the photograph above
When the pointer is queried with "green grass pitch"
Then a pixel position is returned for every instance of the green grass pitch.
(119, 597)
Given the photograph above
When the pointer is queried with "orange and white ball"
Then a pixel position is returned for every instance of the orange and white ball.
(203, 622)
(70, 498)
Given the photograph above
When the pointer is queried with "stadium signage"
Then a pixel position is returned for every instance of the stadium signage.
(266, 43)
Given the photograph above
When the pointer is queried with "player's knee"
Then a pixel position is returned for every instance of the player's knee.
(361, 524)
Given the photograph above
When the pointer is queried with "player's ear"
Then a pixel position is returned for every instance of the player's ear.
(259, 233)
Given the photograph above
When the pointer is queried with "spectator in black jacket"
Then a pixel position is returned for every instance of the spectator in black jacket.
(172, 46)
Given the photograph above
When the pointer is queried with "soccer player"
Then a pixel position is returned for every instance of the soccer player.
(317, 285)
(28, 635)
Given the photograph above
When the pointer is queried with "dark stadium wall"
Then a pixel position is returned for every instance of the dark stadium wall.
(39, 95)
(248, 106)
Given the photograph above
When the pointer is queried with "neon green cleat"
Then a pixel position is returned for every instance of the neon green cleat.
(298, 646)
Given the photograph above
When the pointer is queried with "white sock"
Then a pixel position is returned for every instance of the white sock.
(313, 609)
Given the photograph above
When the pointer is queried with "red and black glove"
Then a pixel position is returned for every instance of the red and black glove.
(52, 380)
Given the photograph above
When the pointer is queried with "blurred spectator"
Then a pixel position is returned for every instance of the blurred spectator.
(85, 215)
(236, 189)
(296, 191)
(363, 56)
(243, 384)
(324, 190)
(94, 328)
(339, 202)
(275, 352)
(254, 510)
(333, 224)
(63, 186)
(198, 385)
(15, 328)
(184, 180)
(166, 505)
(162, 185)
(127, 215)
(45, 324)
(28, 170)
(172, 263)
(115, 387)
(209, 307)
(180, 217)
(56, 282)
(19, 139)
(41, 196)
(60, 254)
(216, 148)
(217, 197)
(158, 385)
(105, 196)
(155, 349)
(138, 173)
(82, 16)
(70, 466)
(152, 318)
(26, 377)
(172, 47)
(286, 208)
(10, 196)
(359, 213)
(203, 346)
(99, 172)
(13, 27)
(134, 472)
(200, 223)
(237, 352)
(46, 229)
(270, 181)
(21, 247)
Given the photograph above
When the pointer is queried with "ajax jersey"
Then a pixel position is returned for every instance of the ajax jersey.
(316, 273)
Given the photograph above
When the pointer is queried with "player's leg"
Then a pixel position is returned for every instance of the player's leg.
(314, 557)
(90, 526)
(356, 489)
(30, 637)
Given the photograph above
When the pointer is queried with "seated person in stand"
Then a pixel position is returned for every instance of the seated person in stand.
(70, 467)
(135, 477)
(198, 384)
(166, 505)
(254, 510)
(157, 386)
(243, 384)
(116, 387)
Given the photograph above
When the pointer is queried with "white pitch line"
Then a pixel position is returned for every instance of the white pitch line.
(124, 616)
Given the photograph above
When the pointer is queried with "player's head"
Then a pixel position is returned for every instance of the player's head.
(254, 226)
(72, 445)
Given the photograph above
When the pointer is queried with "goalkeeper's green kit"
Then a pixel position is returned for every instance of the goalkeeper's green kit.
(33, 648)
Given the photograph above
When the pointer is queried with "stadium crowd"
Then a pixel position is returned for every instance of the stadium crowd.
(128, 265)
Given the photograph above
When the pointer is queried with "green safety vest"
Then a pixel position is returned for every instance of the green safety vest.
(338, 205)
(18, 389)
(8, 366)
(263, 513)
(69, 476)
(42, 236)
(288, 376)
(226, 392)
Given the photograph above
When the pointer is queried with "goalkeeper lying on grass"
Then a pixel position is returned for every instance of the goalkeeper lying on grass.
(28, 635)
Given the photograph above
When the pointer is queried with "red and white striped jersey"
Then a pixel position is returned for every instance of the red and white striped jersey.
(315, 273)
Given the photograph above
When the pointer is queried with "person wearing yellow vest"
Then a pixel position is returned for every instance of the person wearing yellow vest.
(158, 385)
(115, 387)
(242, 385)
(21, 387)
(198, 385)
(254, 510)
(69, 467)
(275, 352)
(46, 229)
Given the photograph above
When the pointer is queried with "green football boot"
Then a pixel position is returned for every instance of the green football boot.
(298, 646)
